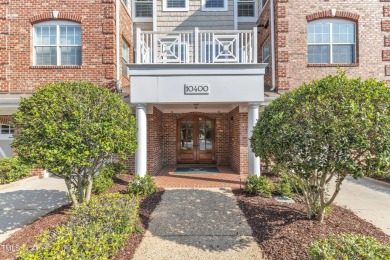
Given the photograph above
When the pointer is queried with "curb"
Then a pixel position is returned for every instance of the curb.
(17, 183)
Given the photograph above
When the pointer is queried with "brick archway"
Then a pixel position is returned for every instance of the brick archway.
(61, 16)
(328, 14)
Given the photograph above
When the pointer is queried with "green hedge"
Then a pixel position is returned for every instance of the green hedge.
(349, 246)
(96, 230)
(104, 180)
(11, 169)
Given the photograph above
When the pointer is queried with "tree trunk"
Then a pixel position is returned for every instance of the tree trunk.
(71, 192)
(89, 188)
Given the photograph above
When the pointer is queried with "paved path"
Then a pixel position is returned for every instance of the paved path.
(198, 224)
(26, 200)
(369, 199)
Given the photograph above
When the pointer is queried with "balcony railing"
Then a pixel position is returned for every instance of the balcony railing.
(202, 47)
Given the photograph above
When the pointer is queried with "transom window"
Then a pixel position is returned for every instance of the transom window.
(331, 41)
(143, 8)
(57, 43)
(214, 5)
(246, 8)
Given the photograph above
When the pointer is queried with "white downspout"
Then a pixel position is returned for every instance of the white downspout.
(273, 45)
(118, 59)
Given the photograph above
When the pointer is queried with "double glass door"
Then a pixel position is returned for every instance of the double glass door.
(196, 139)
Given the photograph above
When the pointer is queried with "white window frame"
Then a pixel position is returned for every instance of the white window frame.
(175, 9)
(141, 19)
(261, 6)
(214, 9)
(127, 3)
(330, 44)
(249, 19)
(8, 136)
(58, 37)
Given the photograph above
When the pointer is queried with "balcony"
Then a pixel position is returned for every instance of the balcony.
(197, 47)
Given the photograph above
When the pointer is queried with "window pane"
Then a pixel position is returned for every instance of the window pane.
(343, 54)
(143, 9)
(343, 33)
(319, 54)
(125, 51)
(70, 55)
(215, 3)
(266, 51)
(70, 35)
(176, 3)
(318, 33)
(5, 129)
(46, 55)
(246, 9)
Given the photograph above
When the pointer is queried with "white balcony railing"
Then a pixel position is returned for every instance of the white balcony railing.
(196, 46)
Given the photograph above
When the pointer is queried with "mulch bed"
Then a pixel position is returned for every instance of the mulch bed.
(57, 217)
(283, 231)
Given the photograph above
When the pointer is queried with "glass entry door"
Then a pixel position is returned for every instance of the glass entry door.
(195, 140)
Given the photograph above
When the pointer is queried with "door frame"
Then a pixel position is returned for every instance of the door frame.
(195, 120)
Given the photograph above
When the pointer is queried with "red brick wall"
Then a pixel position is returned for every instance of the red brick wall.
(291, 18)
(238, 127)
(155, 141)
(97, 19)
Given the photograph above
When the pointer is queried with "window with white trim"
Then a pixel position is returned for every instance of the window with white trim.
(7, 130)
(175, 5)
(143, 8)
(57, 43)
(246, 8)
(125, 56)
(331, 41)
(214, 5)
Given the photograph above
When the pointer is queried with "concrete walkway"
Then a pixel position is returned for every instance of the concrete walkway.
(26, 200)
(198, 224)
(367, 198)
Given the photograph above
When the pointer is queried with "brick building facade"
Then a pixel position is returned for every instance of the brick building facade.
(190, 41)
(20, 71)
(372, 27)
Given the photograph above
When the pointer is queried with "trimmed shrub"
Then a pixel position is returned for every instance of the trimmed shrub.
(325, 130)
(71, 129)
(96, 230)
(142, 186)
(349, 246)
(104, 179)
(288, 186)
(12, 169)
(258, 185)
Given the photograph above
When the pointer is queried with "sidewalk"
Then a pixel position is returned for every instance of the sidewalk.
(367, 198)
(198, 224)
(26, 200)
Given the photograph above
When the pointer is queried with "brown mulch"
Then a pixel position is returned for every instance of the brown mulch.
(27, 234)
(283, 231)
(57, 217)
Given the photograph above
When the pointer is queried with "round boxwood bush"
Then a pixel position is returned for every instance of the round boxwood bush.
(258, 185)
(142, 186)
(325, 130)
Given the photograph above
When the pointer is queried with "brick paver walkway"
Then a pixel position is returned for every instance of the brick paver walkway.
(226, 178)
